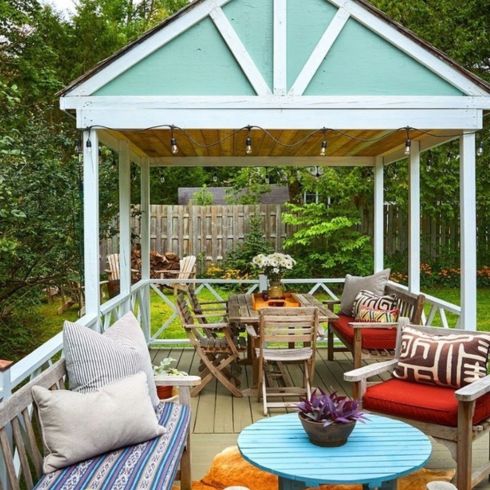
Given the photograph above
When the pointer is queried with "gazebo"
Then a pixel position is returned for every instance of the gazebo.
(275, 82)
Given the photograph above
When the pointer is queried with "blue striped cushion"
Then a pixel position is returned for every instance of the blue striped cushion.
(151, 465)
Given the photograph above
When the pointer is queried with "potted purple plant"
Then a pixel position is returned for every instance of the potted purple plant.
(329, 419)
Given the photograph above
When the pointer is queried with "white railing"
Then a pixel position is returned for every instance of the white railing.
(437, 311)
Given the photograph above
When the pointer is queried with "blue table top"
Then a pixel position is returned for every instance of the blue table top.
(382, 449)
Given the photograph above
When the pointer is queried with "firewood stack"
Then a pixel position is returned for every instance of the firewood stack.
(158, 262)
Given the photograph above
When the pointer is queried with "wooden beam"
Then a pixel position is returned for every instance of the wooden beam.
(91, 224)
(239, 51)
(379, 215)
(269, 161)
(280, 47)
(468, 231)
(320, 52)
(414, 219)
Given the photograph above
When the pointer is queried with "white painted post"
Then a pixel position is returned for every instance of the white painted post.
(468, 231)
(280, 46)
(124, 224)
(379, 215)
(91, 224)
(145, 248)
(5, 393)
(414, 219)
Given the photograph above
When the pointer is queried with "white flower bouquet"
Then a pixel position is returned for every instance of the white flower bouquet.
(273, 265)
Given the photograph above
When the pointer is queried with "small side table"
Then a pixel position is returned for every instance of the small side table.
(377, 453)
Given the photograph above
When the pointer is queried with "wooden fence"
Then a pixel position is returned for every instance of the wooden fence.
(212, 231)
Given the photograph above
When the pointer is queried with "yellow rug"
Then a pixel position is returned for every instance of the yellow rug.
(229, 468)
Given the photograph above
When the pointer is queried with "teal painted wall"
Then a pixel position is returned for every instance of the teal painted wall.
(197, 62)
(362, 63)
(252, 20)
(306, 22)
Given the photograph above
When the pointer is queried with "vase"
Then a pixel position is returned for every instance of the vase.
(164, 392)
(276, 290)
(332, 435)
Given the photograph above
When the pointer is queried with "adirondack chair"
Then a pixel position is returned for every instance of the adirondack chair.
(186, 271)
(373, 341)
(281, 325)
(215, 346)
(114, 275)
(20, 443)
(456, 418)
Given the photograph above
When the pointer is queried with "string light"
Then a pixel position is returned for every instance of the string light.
(323, 148)
(408, 142)
(248, 141)
(173, 142)
(479, 150)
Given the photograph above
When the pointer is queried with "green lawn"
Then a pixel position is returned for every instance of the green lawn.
(50, 322)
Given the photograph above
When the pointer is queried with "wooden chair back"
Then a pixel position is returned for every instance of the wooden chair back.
(411, 305)
(20, 431)
(185, 313)
(113, 264)
(187, 267)
(291, 325)
(194, 300)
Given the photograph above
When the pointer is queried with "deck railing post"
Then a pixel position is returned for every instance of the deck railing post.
(6, 391)
(145, 248)
(414, 219)
(124, 225)
(378, 244)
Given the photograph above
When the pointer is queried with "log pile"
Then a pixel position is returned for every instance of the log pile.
(168, 261)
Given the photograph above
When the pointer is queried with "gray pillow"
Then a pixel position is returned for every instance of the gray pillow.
(77, 426)
(94, 360)
(355, 284)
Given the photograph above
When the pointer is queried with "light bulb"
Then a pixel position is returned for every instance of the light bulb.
(173, 146)
(323, 150)
(479, 150)
(408, 146)
(248, 145)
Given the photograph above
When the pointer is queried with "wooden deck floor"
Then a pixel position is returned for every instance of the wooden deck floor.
(218, 418)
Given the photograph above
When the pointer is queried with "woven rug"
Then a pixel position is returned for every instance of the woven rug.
(229, 468)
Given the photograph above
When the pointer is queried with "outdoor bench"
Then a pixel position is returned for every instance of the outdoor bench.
(154, 464)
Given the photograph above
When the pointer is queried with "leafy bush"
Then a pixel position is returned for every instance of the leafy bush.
(202, 197)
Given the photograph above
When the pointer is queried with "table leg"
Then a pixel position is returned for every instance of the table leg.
(285, 484)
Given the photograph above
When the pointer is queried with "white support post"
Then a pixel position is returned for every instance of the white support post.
(379, 211)
(414, 219)
(124, 224)
(91, 224)
(280, 46)
(468, 231)
(145, 247)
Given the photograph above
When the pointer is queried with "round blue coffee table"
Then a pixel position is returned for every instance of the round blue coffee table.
(377, 453)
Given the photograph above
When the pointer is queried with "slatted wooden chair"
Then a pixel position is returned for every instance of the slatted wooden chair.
(454, 417)
(215, 346)
(216, 308)
(278, 326)
(114, 275)
(373, 341)
(187, 270)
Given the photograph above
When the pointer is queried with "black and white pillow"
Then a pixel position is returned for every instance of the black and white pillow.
(373, 301)
(94, 360)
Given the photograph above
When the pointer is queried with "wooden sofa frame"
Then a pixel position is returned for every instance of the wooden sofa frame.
(458, 440)
(20, 431)
(411, 305)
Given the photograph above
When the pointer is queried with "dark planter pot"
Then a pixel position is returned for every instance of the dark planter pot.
(164, 392)
(331, 436)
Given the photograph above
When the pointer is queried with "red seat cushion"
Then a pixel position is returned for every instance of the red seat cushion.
(372, 338)
(425, 403)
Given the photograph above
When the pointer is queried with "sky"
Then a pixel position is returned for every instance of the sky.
(66, 6)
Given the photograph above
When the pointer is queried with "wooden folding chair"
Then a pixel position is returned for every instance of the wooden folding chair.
(215, 348)
(187, 270)
(279, 327)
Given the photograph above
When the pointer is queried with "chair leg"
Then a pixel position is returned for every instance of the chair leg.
(185, 466)
(357, 348)
(307, 379)
(464, 445)
(330, 343)
(264, 396)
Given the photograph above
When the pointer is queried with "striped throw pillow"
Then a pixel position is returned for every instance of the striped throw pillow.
(374, 301)
(446, 360)
(366, 314)
(94, 360)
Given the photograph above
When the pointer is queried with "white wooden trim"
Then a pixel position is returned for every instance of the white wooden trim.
(146, 47)
(275, 102)
(120, 118)
(239, 51)
(240, 161)
(414, 219)
(410, 47)
(468, 231)
(378, 242)
(91, 224)
(124, 224)
(320, 52)
(113, 140)
(145, 237)
(280, 47)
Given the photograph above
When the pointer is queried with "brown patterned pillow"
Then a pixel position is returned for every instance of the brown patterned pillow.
(374, 301)
(447, 360)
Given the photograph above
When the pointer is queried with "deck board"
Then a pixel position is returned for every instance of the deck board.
(218, 418)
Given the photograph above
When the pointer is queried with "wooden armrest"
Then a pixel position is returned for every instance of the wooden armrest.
(166, 380)
(474, 390)
(366, 372)
(251, 331)
(372, 324)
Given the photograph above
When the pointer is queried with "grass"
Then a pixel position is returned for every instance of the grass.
(46, 322)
